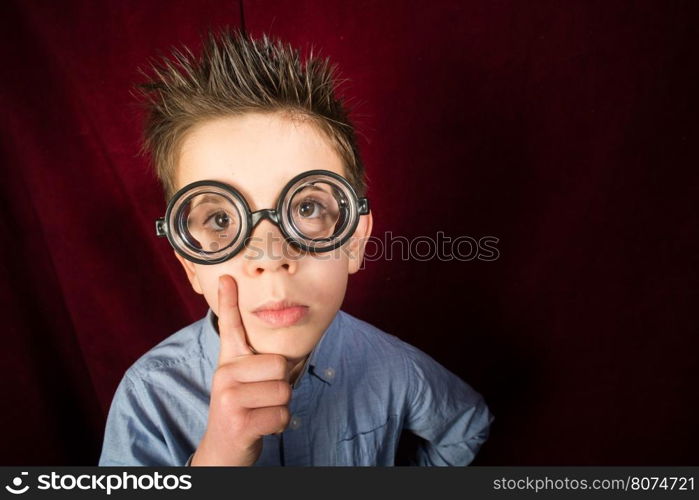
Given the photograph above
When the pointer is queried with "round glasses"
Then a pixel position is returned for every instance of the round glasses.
(209, 222)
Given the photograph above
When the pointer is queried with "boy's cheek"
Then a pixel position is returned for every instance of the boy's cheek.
(325, 294)
(208, 277)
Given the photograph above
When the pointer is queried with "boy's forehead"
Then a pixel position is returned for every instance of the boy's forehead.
(256, 153)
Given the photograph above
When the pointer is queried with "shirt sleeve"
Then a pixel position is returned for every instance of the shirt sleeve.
(451, 417)
(133, 435)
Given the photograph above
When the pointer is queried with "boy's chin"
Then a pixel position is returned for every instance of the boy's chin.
(290, 346)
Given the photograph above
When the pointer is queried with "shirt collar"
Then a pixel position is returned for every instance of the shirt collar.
(323, 361)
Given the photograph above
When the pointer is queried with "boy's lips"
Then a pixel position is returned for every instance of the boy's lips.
(281, 313)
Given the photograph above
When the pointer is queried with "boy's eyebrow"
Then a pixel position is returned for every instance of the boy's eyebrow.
(312, 187)
(208, 198)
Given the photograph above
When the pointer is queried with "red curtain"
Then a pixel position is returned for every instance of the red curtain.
(565, 130)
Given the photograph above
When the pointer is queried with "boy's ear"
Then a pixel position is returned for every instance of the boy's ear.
(358, 241)
(191, 274)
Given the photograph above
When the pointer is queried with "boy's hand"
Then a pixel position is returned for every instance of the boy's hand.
(249, 392)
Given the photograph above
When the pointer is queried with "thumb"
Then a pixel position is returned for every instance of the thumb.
(230, 323)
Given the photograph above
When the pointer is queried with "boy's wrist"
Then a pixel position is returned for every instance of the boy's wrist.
(204, 456)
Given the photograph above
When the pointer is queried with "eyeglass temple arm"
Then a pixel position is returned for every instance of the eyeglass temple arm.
(160, 227)
(363, 204)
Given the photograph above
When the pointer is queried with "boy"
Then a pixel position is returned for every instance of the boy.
(267, 216)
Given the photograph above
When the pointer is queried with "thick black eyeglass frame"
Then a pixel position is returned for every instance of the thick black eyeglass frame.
(162, 224)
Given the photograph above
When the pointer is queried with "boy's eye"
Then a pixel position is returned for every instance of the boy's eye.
(218, 221)
(310, 209)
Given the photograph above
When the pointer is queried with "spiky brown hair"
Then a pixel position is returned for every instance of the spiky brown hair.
(237, 74)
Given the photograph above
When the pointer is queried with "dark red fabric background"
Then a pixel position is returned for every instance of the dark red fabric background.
(568, 130)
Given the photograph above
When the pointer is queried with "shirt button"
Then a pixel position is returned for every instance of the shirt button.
(329, 372)
(295, 423)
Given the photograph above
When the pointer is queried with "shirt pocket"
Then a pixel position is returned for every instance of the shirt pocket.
(375, 446)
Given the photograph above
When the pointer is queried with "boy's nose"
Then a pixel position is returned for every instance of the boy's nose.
(267, 250)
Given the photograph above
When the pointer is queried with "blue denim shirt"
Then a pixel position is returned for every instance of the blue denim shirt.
(359, 389)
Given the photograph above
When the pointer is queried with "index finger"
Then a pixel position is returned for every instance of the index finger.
(230, 323)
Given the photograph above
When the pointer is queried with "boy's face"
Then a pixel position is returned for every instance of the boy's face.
(258, 154)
